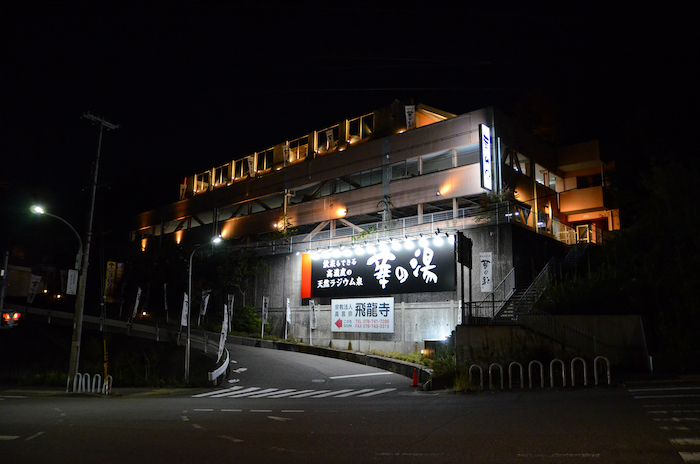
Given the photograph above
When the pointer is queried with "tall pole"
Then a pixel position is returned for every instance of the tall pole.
(189, 306)
(80, 301)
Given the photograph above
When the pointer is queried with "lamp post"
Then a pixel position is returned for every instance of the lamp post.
(214, 241)
(81, 266)
(40, 210)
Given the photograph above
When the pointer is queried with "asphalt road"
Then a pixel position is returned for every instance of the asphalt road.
(290, 407)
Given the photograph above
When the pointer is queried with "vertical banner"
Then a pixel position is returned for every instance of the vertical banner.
(485, 260)
(72, 284)
(165, 300)
(330, 139)
(230, 310)
(33, 288)
(185, 309)
(110, 280)
(118, 284)
(410, 116)
(222, 337)
(203, 305)
(265, 304)
(312, 314)
(285, 152)
(289, 312)
(251, 166)
(136, 303)
(486, 164)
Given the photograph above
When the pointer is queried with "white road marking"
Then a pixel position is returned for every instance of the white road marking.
(38, 434)
(649, 397)
(231, 410)
(356, 392)
(685, 441)
(239, 370)
(261, 410)
(690, 457)
(292, 410)
(203, 410)
(261, 393)
(8, 437)
(634, 390)
(217, 392)
(359, 375)
(197, 426)
(293, 392)
(678, 419)
(560, 455)
(280, 419)
(378, 392)
(185, 418)
(227, 394)
(333, 393)
(235, 440)
(16, 397)
(282, 393)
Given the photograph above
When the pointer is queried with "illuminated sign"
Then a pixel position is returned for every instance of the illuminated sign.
(486, 164)
(375, 315)
(411, 266)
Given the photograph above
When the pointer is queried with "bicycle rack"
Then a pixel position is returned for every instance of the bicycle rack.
(595, 368)
(529, 372)
(585, 375)
(551, 372)
(481, 375)
(491, 372)
(510, 375)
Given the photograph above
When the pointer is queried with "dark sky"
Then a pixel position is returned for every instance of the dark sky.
(196, 84)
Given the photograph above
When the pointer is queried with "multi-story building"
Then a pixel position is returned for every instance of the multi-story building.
(348, 215)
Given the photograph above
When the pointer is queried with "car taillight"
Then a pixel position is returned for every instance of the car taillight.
(6, 316)
(15, 316)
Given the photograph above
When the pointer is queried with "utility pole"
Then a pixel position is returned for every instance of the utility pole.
(80, 302)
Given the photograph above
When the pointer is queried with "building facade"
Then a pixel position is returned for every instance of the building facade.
(388, 229)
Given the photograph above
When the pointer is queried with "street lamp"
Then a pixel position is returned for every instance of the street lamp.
(39, 210)
(214, 241)
(80, 299)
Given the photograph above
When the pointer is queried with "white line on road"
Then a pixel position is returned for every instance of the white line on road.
(8, 437)
(279, 419)
(293, 392)
(197, 426)
(378, 392)
(685, 441)
(359, 375)
(203, 410)
(231, 410)
(559, 455)
(17, 397)
(312, 393)
(648, 397)
(690, 457)
(292, 410)
(357, 392)
(333, 393)
(185, 418)
(38, 434)
(678, 419)
(634, 390)
(217, 392)
(235, 440)
(261, 410)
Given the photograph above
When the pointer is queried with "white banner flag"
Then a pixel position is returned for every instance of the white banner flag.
(222, 338)
(33, 288)
(185, 306)
(485, 260)
(312, 314)
(265, 304)
(136, 304)
(205, 302)
(230, 310)
(410, 116)
(289, 312)
(72, 284)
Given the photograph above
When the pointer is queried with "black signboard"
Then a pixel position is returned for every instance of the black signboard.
(406, 267)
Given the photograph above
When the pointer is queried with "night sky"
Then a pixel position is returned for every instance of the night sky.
(196, 84)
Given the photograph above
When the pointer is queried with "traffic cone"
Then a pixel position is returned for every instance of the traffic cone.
(415, 378)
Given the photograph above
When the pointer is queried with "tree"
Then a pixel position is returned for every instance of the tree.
(238, 268)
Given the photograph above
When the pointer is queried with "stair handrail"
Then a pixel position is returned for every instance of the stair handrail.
(535, 290)
(490, 298)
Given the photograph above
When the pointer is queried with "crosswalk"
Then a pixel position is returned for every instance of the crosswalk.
(674, 409)
(259, 392)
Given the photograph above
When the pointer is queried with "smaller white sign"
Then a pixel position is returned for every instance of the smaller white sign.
(372, 315)
(265, 306)
(185, 309)
(312, 314)
(72, 284)
(289, 312)
(485, 262)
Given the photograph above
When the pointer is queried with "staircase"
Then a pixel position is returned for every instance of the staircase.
(507, 313)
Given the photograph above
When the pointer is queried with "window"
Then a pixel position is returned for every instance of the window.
(596, 180)
(439, 162)
(360, 128)
(541, 174)
(298, 149)
(327, 139)
(222, 174)
(264, 159)
(241, 168)
(201, 182)
(517, 161)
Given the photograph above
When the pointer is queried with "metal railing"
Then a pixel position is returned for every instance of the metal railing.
(492, 303)
(506, 212)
